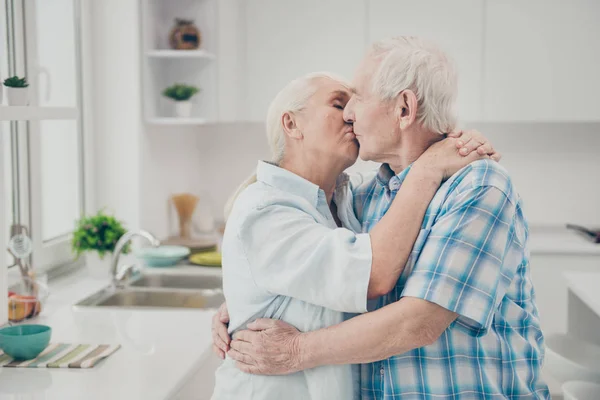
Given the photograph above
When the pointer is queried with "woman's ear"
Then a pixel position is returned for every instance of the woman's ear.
(406, 108)
(290, 126)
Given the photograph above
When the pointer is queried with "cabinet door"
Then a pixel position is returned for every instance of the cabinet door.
(542, 60)
(202, 383)
(289, 38)
(456, 26)
(551, 291)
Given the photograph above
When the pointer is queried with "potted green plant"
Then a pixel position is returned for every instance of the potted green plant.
(17, 91)
(96, 236)
(181, 95)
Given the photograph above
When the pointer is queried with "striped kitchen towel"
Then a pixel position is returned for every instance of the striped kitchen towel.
(61, 355)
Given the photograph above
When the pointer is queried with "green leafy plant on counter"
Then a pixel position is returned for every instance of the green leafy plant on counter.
(180, 92)
(98, 233)
(16, 82)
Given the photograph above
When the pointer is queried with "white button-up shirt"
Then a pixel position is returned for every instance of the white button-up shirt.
(285, 258)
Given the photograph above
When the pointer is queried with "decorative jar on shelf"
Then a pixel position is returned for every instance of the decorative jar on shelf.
(185, 35)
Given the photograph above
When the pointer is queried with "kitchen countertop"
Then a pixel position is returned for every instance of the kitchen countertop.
(585, 286)
(560, 241)
(160, 350)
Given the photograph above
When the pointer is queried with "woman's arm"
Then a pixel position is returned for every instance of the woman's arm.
(393, 237)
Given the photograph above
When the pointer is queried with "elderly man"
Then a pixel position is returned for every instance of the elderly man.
(461, 322)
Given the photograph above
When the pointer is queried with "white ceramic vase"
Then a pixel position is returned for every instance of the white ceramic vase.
(98, 268)
(183, 109)
(17, 96)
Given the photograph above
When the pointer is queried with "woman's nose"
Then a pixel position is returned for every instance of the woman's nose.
(349, 113)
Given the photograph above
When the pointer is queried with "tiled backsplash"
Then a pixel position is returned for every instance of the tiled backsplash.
(555, 167)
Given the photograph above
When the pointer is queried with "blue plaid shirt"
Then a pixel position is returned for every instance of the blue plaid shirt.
(471, 258)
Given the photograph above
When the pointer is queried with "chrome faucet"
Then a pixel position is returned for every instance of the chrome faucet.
(126, 238)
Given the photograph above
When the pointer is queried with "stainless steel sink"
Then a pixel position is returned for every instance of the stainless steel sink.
(179, 281)
(161, 291)
(139, 298)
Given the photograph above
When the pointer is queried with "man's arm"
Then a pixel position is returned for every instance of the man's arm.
(402, 326)
(275, 348)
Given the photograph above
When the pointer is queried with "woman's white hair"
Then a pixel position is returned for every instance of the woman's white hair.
(293, 99)
(407, 62)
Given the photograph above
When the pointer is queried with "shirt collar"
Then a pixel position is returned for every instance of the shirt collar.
(287, 181)
(386, 177)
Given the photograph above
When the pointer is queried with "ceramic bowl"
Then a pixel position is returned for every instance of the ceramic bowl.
(25, 342)
(162, 256)
(572, 359)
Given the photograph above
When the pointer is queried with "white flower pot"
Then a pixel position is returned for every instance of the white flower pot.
(17, 96)
(183, 109)
(98, 268)
(1, 93)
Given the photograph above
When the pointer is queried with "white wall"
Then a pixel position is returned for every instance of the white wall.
(554, 167)
(117, 107)
(208, 161)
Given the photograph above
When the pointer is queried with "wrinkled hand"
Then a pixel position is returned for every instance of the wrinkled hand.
(458, 150)
(472, 140)
(268, 347)
(220, 335)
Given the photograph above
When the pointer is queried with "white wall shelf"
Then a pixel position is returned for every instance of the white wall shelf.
(33, 113)
(177, 121)
(163, 66)
(191, 54)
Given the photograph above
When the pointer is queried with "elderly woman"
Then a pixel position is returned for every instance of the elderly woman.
(292, 248)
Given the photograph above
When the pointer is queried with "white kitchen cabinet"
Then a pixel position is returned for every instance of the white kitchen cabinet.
(201, 384)
(542, 60)
(286, 39)
(547, 274)
(455, 25)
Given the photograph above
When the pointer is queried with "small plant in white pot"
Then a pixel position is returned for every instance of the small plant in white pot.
(17, 91)
(96, 236)
(181, 94)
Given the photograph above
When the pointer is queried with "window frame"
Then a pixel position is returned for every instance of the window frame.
(26, 139)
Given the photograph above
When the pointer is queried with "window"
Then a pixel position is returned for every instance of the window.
(43, 160)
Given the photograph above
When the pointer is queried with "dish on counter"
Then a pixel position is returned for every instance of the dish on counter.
(162, 256)
(209, 258)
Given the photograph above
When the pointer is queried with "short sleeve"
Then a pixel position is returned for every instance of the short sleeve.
(291, 254)
(470, 257)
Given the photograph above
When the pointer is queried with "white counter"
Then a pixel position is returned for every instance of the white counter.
(586, 285)
(160, 350)
(560, 241)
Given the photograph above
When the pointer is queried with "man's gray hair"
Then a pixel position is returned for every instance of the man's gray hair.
(408, 62)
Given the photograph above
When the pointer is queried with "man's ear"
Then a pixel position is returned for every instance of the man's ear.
(406, 108)
(290, 126)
